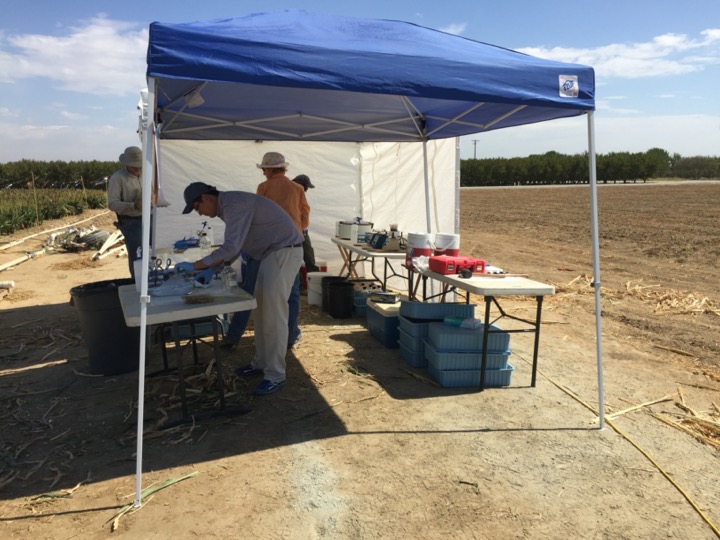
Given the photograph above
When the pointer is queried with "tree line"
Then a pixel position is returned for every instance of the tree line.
(555, 168)
(549, 168)
(57, 174)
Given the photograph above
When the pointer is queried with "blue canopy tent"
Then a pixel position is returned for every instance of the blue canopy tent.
(295, 75)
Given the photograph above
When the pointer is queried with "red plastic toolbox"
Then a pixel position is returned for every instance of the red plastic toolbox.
(444, 264)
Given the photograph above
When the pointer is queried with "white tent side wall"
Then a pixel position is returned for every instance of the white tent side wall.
(394, 188)
(380, 182)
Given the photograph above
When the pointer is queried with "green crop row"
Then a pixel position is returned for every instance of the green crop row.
(23, 208)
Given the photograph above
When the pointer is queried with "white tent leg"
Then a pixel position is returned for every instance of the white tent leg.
(147, 178)
(426, 174)
(428, 214)
(456, 229)
(596, 263)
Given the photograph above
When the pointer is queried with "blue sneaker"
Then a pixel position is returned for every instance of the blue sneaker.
(268, 387)
(247, 371)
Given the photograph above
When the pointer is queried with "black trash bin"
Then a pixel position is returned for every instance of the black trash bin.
(325, 287)
(113, 347)
(341, 299)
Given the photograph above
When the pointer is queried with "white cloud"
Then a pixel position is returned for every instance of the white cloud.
(667, 54)
(456, 28)
(72, 116)
(712, 35)
(103, 57)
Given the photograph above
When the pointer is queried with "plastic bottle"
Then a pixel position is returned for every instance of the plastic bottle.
(462, 322)
(229, 277)
(204, 241)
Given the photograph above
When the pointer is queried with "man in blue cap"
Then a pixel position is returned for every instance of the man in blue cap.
(261, 228)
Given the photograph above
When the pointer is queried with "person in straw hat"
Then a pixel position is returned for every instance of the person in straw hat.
(290, 197)
(124, 197)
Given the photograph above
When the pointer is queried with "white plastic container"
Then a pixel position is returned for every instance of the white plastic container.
(447, 244)
(314, 290)
(350, 230)
(418, 245)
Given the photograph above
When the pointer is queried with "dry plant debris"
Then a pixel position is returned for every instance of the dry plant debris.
(703, 425)
(664, 300)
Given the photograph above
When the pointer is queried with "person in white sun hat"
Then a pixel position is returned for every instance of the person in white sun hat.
(124, 197)
(291, 197)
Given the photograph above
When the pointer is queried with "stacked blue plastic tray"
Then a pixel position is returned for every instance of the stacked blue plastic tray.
(414, 320)
(454, 356)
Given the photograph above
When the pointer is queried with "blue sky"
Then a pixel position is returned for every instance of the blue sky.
(70, 72)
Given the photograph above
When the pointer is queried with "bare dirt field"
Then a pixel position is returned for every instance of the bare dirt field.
(359, 445)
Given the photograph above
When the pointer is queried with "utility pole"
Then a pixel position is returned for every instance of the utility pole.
(475, 141)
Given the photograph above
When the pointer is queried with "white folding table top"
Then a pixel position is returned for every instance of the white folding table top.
(365, 250)
(498, 285)
(163, 309)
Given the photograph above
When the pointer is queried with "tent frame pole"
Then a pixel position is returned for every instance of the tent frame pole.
(592, 169)
(426, 175)
(147, 178)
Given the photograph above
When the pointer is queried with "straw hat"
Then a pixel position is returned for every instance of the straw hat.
(273, 160)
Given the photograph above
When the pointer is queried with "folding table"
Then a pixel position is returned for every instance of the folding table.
(353, 253)
(172, 310)
(491, 287)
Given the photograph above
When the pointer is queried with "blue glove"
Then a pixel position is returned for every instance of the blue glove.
(205, 276)
(184, 268)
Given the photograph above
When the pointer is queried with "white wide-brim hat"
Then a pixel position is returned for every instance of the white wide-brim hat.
(131, 157)
(273, 160)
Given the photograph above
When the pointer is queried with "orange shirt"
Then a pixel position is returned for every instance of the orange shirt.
(290, 196)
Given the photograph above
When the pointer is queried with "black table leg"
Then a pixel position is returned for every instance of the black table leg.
(537, 339)
(218, 366)
(181, 375)
(486, 333)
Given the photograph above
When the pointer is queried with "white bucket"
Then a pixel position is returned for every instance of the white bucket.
(418, 245)
(314, 289)
(447, 244)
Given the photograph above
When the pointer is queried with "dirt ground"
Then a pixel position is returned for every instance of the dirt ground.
(359, 445)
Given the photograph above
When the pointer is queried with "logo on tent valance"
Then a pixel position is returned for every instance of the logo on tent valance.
(569, 86)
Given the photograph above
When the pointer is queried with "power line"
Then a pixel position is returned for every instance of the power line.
(475, 141)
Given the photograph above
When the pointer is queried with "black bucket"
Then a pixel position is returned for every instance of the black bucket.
(341, 299)
(113, 347)
(325, 284)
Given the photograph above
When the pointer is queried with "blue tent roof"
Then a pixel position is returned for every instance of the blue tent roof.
(295, 75)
